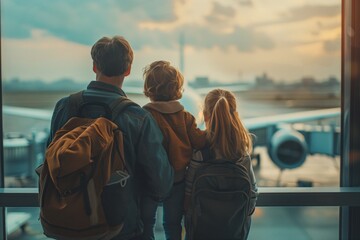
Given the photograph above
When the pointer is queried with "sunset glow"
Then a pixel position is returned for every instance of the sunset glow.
(226, 41)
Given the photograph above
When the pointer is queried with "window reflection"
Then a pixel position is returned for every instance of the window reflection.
(295, 223)
(277, 58)
(267, 222)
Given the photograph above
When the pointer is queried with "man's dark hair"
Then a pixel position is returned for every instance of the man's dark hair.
(112, 56)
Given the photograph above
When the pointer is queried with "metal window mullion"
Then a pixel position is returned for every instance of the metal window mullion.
(2, 209)
(350, 117)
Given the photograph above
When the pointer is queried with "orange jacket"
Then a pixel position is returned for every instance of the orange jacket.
(181, 134)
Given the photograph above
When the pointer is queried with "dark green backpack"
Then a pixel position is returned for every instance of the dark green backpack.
(219, 200)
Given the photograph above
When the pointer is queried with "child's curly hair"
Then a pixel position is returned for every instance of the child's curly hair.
(163, 82)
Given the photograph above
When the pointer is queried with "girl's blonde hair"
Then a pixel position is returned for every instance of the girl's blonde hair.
(163, 82)
(226, 133)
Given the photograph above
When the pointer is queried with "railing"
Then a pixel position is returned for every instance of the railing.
(268, 196)
(23, 154)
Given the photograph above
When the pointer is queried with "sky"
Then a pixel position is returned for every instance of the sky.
(225, 40)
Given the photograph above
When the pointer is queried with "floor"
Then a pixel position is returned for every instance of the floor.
(295, 223)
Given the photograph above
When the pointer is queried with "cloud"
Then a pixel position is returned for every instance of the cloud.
(220, 14)
(157, 10)
(200, 37)
(303, 13)
(310, 11)
(246, 3)
(84, 22)
(328, 25)
(81, 21)
(244, 39)
(333, 45)
(325, 26)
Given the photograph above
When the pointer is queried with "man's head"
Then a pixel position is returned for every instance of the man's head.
(112, 56)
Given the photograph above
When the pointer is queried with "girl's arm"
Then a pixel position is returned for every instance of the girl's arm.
(254, 190)
(196, 135)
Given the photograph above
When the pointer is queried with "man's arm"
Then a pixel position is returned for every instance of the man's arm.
(153, 160)
(57, 120)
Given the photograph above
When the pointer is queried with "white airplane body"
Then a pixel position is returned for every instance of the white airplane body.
(286, 146)
(269, 131)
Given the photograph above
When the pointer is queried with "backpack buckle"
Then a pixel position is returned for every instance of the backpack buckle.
(120, 177)
(66, 192)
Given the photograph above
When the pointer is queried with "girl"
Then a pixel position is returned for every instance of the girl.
(163, 85)
(211, 215)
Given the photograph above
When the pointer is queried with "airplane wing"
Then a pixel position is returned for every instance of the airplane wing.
(33, 113)
(190, 99)
(287, 146)
(304, 116)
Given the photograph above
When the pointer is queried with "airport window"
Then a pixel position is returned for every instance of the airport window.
(282, 61)
(277, 58)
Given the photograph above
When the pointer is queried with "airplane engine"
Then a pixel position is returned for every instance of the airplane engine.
(287, 149)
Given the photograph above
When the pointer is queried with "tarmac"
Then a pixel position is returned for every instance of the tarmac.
(295, 223)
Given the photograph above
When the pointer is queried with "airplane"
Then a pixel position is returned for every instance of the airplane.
(287, 142)
(287, 138)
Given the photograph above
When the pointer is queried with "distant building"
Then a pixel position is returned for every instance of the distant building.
(333, 81)
(308, 81)
(263, 80)
(202, 81)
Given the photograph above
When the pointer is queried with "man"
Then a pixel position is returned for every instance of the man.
(147, 162)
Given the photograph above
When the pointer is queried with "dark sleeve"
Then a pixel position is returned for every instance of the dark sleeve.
(246, 161)
(254, 190)
(196, 135)
(58, 118)
(189, 177)
(152, 158)
(190, 174)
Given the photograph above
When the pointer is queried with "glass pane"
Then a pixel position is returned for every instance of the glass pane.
(276, 58)
(297, 223)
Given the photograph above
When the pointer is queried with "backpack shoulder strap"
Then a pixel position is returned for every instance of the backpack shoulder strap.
(119, 105)
(206, 154)
(75, 101)
(209, 156)
(116, 107)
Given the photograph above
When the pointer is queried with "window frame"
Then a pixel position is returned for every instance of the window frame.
(350, 116)
(346, 196)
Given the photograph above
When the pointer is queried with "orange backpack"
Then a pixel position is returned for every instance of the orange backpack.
(82, 183)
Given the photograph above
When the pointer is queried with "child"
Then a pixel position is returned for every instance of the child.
(164, 85)
(230, 146)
